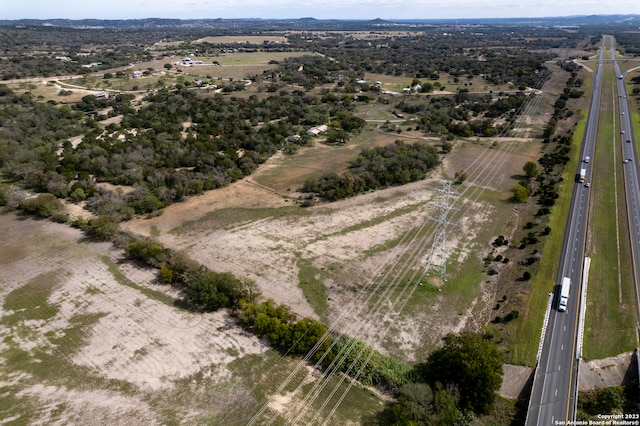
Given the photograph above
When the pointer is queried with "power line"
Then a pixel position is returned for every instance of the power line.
(483, 169)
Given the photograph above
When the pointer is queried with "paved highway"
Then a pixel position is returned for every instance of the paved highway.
(631, 179)
(554, 394)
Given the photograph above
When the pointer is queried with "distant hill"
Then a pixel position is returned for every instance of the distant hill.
(586, 20)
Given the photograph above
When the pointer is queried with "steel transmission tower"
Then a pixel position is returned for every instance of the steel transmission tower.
(438, 254)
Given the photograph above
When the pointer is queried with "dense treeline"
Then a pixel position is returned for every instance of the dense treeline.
(335, 353)
(177, 144)
(203, 289)
(395, 164)
(498, 57)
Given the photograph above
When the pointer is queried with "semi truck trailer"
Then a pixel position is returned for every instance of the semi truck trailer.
(564, 294)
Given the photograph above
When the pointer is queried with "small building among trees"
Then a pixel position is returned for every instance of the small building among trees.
(315, 131)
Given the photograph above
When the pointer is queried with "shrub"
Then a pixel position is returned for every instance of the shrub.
(500, 241)
(167, 275)
(212, 291)
(150, 252)
(44, 205)
(473, 364)
(511, 316)
(102, 227)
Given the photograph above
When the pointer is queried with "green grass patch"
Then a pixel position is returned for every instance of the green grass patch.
(91, 289)
(312, 287)
(358, 404)
(20, 409)
(234, 216)
(154, 231)
(122, 279)
(31, 301)
(265, 373)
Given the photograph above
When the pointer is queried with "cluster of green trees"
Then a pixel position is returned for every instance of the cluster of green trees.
(463, 114)
(31, 132)
(457, 381)
(31, 50)
(203, 289)
(151, 150)
(335, 352)
(396, 164)
(307, 71)
(421, 55)
(284, 331)
(118, 104)
(614, 400)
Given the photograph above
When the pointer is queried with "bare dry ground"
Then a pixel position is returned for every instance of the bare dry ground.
(88, 339)
(244, 39)
(82, 342)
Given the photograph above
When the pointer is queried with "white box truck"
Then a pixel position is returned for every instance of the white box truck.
(564, 294)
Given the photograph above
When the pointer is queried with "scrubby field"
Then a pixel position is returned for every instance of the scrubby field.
(316, 260)
(87, 339)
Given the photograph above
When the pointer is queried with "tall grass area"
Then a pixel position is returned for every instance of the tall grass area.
(526, 333)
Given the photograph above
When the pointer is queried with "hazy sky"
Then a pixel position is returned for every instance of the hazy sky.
(321, 9)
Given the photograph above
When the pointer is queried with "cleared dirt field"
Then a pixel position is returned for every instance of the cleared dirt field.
(244, 39)
(87, 340)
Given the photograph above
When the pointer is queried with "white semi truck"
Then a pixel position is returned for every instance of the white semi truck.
(583, 174)
(564, 294)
